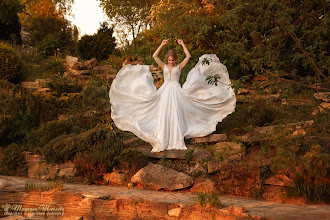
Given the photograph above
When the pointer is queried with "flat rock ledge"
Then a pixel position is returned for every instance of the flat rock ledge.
(158, 177)
(198, 153)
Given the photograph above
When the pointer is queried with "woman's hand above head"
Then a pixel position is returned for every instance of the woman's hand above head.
(180, 41)
(165, 41)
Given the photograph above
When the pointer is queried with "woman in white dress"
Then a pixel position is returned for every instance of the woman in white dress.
(166, 116)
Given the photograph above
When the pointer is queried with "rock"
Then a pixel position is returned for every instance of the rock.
(4, 183)
(211, 138)
(90, 64)
(77, 66)
(30, 85)
(174, 212)
(191, 168)
(159, 177)
(67, 172)
(243, 91)
(279, 180)
(216, 165)
(324, 96)
(237, 210)
(78, 72)
(70, 61)
(199, 153)
(259, 134)
(114, 178)
(229, 148)
(203, 185)
(105, 69)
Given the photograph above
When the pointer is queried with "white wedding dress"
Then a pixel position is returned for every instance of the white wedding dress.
(164, 117)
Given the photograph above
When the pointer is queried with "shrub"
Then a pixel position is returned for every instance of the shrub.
(312, 193)
(48, 131)
(96, 96)
(10, 64)
(13, 161)
(62, 84)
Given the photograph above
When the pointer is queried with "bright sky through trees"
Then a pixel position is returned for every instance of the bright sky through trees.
(87, 16)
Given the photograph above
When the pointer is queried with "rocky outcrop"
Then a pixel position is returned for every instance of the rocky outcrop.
(227, 152)
(203, 185)
(38, 169)
(197, 154)
(211, 138)
(158, 177)
(279, 180)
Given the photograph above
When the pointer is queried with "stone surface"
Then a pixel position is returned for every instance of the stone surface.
(229, 148)
(38, 169)
(190, 168)
(71, 60)
(159, 177)
(211, 138)
(203, 185)
(113, 202)
(78, 72)
(114, 178)
(296, 102)
(4, 183)
(324, 96)
(199, 153)
(175, 212)
(279, 180)
(89, 64)
(237, 210)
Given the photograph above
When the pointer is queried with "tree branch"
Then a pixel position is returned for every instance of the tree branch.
(294, 82)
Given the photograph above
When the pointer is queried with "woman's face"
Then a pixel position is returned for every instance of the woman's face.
(171, 61)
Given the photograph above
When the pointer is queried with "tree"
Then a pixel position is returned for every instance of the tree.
(48, 27)
(99, 45)
(131, 15)
(287, 39)
(10, 26)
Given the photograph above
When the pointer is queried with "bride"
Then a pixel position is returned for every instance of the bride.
(166, 116)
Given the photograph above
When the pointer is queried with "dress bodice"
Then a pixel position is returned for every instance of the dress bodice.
(171, 76)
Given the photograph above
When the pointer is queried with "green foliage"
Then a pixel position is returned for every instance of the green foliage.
(13, 161)
(54, 185)
(103, 146)
(99, 46)
(10, 63)
(51, 34)
(304, 159)
(166, 162)
(62, 84)
(132, 159)
(10, 26)
(47, 131)
(95, 96)
(20, 112)
(188, 156)
(212, 199)
(313, 193)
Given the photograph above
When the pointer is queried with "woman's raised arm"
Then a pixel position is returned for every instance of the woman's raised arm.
(186, 60)
(156, 54)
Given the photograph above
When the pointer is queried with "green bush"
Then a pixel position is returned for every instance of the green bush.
(48, 131)
(13, 161)
(96, 96)
(98, 141)
(10, 64)
(61, 84)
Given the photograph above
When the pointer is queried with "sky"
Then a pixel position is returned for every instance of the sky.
(87, 16)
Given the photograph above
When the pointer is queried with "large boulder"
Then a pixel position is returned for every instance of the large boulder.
(4, 183)
(105, 69)
(158, 177)
(90, 64)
